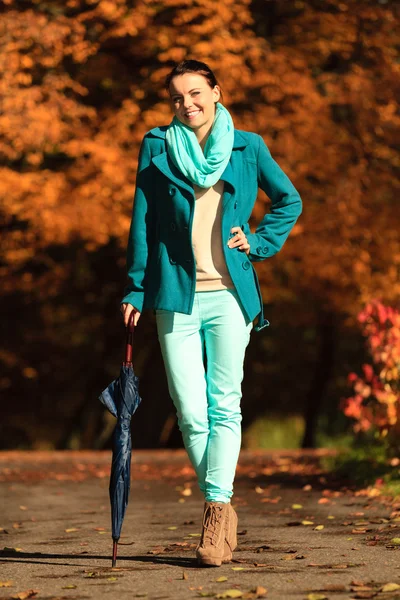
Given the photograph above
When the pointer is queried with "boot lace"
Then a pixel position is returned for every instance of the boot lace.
(212, 524)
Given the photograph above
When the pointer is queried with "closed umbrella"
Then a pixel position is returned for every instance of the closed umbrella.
(121, 398)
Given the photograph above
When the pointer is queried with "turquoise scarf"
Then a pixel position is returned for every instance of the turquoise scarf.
(185, 151)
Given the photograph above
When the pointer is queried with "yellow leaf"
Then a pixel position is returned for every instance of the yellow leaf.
(237, 568)
(307, 522)
(297, 506)
(71, 529)
(112, 579)
(172, 527)
(230, 594)
(221, 579)
(23, 507)
(390, 587)
(186, 492)
(395, 541)
(71, 586)
(5, 584)
(194, 534)
(318, 527)
(331, 517)
(316, 597)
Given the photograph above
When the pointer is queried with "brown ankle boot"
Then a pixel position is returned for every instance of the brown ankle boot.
(230, 534)
(231, 530)
(211, 549)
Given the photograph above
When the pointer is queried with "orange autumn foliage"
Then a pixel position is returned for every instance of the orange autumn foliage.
(83, 81)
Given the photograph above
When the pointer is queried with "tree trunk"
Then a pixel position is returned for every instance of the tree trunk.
(322, 374)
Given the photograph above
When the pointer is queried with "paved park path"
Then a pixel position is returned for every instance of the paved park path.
(302, 535)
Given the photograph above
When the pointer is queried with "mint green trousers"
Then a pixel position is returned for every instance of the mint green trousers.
(207, 402)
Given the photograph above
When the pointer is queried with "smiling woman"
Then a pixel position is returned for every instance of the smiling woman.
(189, 258)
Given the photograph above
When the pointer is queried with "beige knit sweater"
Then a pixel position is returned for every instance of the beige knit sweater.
(211, 270)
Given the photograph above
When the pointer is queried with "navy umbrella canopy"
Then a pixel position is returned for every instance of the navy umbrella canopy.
(121, 398)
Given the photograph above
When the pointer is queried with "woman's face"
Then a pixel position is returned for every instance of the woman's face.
(193, 100)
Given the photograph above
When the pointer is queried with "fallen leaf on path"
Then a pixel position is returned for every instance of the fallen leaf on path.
(262, 548)
(230, 594)
(297, 506)
(318, 528)
(221, 579)
(184, 575)
(390, 587)
(194, 534)
(24, 595)
(172, 528)
(271, 500)
(259, 590)
(307, 522)
(237, 568)
(316, 597)
(23, 507)
(6, 583)
(71, 586)
(395, 541)
(71, 529)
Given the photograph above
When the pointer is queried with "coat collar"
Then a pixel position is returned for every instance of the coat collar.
(165, 165)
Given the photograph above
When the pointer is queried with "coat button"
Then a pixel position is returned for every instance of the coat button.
(235, 205)
(246, 266)
(172, 261)
(259, 249)
(172, 191)
(173, 226)
(265, 250)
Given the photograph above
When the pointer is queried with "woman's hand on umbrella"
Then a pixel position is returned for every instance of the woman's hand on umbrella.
(239, 240)
(126, 310)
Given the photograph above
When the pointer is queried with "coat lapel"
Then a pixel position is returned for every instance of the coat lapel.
(169, 170)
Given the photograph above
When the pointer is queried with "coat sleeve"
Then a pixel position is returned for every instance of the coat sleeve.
(141, 233)
(286, 207)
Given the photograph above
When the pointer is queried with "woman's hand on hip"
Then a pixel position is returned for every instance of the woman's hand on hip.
(126, 310)
(239, 240)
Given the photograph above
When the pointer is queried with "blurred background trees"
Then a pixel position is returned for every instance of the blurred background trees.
(82, 81)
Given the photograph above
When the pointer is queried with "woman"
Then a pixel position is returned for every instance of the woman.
(189, 258)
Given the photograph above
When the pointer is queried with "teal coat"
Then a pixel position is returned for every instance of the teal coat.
(160, 260)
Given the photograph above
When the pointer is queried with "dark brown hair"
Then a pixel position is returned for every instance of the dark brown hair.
(192, 66)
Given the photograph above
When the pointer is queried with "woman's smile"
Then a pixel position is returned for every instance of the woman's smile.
(192, 114)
